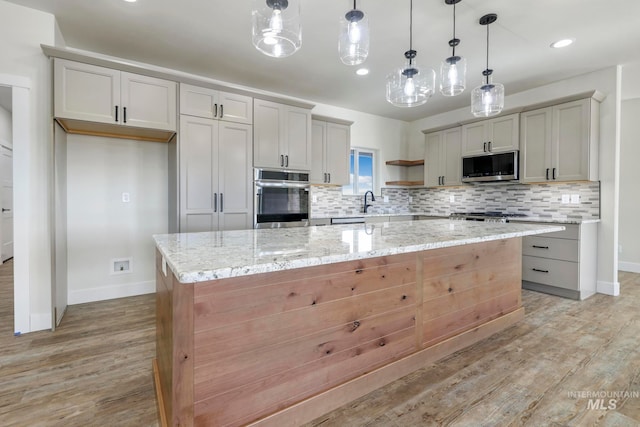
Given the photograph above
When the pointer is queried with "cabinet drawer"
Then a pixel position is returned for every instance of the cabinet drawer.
(563, 274)
(546, 247)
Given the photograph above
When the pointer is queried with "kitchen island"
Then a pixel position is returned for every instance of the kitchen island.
(275, 327)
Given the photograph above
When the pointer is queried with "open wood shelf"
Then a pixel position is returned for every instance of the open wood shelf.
(405, 162)
(405, 183)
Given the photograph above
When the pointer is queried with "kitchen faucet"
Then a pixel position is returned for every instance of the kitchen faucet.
(373, 199)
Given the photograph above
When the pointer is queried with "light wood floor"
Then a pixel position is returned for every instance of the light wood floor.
(95, 370)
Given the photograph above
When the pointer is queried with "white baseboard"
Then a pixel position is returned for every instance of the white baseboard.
(40, 321)
(608, 288)
(632, 267)
(110, 292)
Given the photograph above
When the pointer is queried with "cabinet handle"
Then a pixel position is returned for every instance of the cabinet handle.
(553, 175)
(6, 210)
(286, 163)
(547, 175)
(215, 202)
(540, 247)
(281, 160)
(124, 114)
(489, 145)
(329, 177)
(484, 147)
(540, 271)
(116, 113)
(442, 179)
(221, 203)
(221, 111)
(215, 110)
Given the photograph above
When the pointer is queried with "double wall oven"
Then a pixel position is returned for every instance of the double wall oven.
(281, 198)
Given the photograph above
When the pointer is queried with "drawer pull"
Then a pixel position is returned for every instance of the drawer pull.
(540, 247)
(540, 271)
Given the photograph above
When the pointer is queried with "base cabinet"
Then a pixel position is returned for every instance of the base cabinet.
(331, 143)
(443, 161)
(216, 185)
(562, 263)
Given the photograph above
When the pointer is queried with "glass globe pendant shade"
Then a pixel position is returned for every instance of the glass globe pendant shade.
(276, 29)
(487, 99)
(410, 86)
(453, 76)
(353, 42)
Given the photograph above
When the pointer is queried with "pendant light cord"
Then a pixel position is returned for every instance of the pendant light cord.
(454, 30)
(411, 29)
(354, 4)
(487, 69)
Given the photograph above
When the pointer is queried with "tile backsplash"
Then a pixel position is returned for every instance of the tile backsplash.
(536, 200)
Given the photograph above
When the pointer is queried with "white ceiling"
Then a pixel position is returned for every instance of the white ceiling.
(213, 38)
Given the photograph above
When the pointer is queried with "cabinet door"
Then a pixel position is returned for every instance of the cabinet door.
(148, 102)
(535, 148)
(267, 119)
(451, 157)
(318, 139)
(235, 108)
(235, 204)
(474, 138)
(198, 101)
(85, 92)
(297, 138)
(503, 133)
(338, 146)
(432, 159)
(571, 141)
(198, 181)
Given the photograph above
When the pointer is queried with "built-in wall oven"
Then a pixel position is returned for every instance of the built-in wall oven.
(281, 198)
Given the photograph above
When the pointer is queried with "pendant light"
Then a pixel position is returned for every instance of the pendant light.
(353, 43)
(410, 86)
(276, 27)
(453, 70)
(487, 99)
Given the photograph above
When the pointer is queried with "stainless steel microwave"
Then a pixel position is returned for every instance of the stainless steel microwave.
(490, 167)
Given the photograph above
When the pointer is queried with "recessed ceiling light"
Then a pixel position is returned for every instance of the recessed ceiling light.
(562, 43)
(362, 71)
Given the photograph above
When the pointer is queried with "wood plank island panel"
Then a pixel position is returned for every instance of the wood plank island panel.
(259, 347)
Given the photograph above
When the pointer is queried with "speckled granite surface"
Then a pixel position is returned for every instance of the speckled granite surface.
(195, 257)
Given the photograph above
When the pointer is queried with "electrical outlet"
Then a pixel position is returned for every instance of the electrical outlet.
(121, 265)
(566, 198)
(575, 199)
(410, 199)
(452, 198)
(314, 199)
(386, 199)
(126, 198)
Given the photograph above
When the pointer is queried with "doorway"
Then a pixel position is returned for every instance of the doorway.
(6, 174)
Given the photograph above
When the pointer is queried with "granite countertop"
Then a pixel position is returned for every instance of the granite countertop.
(567, 220)
(195, 257)
(557, 220)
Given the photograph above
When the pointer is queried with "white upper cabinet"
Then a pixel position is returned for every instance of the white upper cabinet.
(560, 143)
(443, 160)
(331, 143)
(281, 136)
(213, 104)
(491, 136)
(102, 95)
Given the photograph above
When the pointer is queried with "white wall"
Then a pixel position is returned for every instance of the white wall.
(21, 33)
(100, 227)
(388, 136)
(606, 81)
(629, 179)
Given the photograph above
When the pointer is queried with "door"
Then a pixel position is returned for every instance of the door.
(503, 134)
(452, 157)
(337, 153)
(236, 108)
(535, 147)
(297, 138)
(6, 166)
(571, 141)
(235, 177)
(267, 117)
(86, 92)
(318, 138)
(474, 138)
(198, 101)
(148, 102)
(198, 182)
(432, 159)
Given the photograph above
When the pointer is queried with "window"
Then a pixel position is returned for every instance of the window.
(361, 172)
